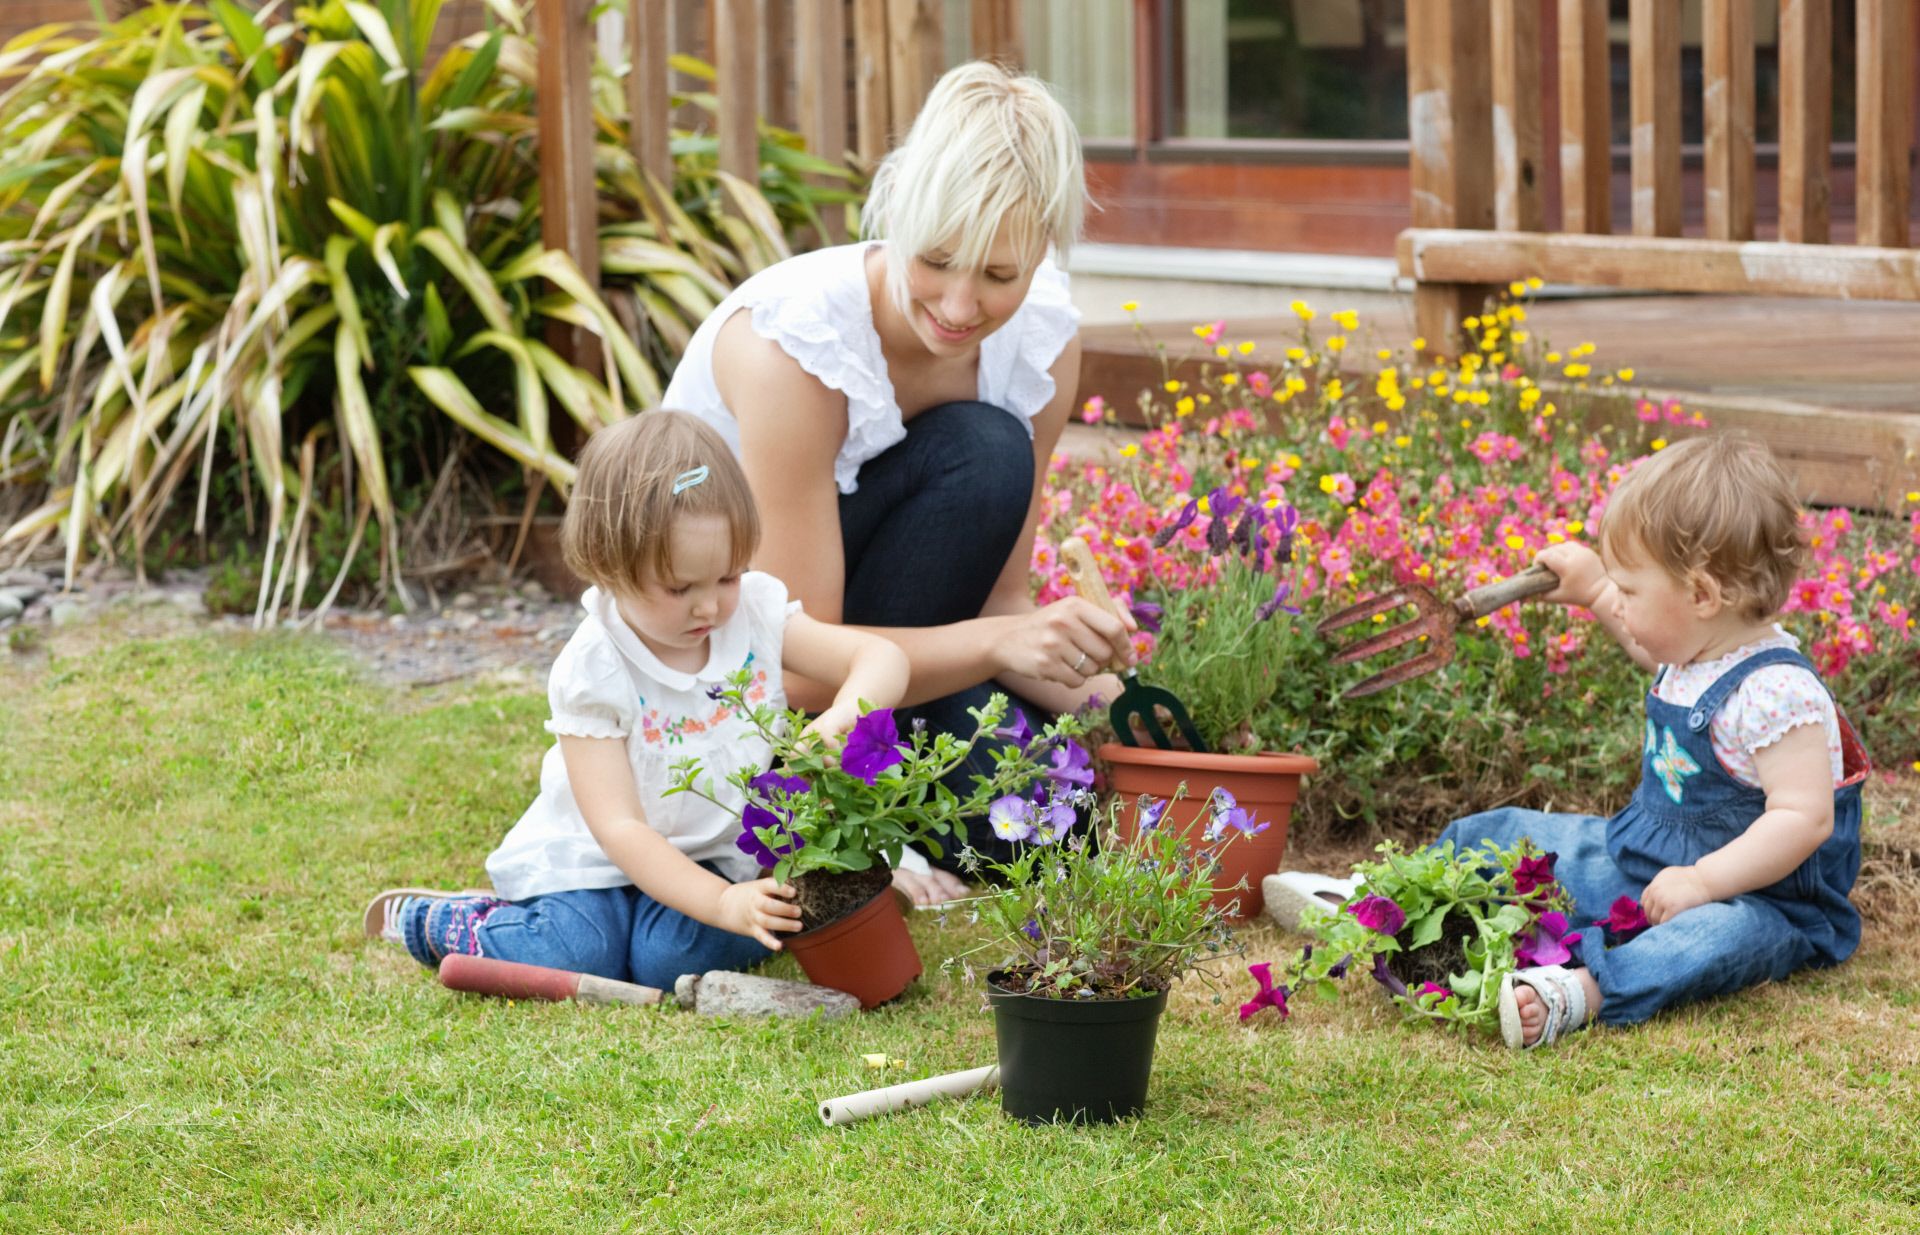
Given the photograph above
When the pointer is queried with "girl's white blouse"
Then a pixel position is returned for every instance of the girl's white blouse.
(818, 309)
(607, 684)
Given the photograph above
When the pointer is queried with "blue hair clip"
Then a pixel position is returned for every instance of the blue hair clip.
(687, 480)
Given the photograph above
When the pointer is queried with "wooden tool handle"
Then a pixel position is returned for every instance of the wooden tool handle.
(483, 975)
(1535, 580)
(1086, 576)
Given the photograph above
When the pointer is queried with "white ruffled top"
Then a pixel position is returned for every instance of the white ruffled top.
(818, 309)
(1767, 704)
(606, 683)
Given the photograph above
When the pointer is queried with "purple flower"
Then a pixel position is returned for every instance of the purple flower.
(1625, 920)
(1276, 603)
(1180, 523)
(1054, 819)
(755, 816)
(1031, 930)
(1148, 812)
(1147, 615)
(1534, 872)
(1384, 976)
(1340, 970)
(873, 746)
(1019, 732)
(1221, 505)
(1011, 817)
(1229, 815)
(715, 692)
(1268, 996)
(1072, 766)
(1547, 943)
(1377, 913)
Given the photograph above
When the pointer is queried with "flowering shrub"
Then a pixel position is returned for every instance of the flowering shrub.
(1437, 929)
(1122, 919)
(1449, 474)
(839, 806)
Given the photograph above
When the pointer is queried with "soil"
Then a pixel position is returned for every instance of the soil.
(1020, 981)
(825, 897)
(1445, 955)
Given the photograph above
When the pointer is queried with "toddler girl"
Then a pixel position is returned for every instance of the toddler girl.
(604, 874)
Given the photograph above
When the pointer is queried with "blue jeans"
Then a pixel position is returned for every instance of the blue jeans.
(1714, 949)
(618, 933)
(925, 537)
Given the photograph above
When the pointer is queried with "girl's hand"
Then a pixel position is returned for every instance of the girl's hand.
(1582, 576)
(758, 908)
(1672, 892)
(1069, 642)
(831, 724)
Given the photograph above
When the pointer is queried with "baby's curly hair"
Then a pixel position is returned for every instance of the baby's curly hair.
(617, 534)
(1718, 505)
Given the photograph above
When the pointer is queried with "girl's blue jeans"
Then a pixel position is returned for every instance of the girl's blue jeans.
(1714, 949)
(618, 933)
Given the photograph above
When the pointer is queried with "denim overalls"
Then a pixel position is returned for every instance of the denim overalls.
(1686, 807)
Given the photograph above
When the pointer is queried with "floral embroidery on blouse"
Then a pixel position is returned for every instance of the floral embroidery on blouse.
(658, 728)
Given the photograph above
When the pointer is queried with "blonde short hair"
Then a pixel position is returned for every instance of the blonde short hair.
(989, 149)
(618, 530)
(1717, 505)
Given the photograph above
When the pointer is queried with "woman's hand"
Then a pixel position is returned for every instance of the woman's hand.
(933, 887)
(758, 908)
(1582, 575)
(1069, 642)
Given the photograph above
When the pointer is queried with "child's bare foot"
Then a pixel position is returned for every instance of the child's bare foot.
(1546, 1003)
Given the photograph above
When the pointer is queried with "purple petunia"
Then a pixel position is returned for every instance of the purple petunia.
(755, 816)
(1011, 817)
(1377, 913)
(1547, 943)
(1072, 767)
(1534, 872)
(1018, 731)
(873, 746)
(1625, 920)
(1268, 996)
(1384, 976)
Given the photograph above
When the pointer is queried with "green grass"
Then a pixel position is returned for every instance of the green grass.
(194, 1037)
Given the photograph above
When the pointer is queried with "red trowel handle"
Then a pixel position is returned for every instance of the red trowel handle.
(482, 975)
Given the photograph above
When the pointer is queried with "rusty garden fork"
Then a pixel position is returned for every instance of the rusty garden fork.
(1436, 621)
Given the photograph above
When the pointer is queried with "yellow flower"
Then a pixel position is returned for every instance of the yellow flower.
(1585, 349)
(1553, 357)
(1461, 396)
(1129, 450)
(1482, 621)
(1246, 349)
(1548, 410)
(1554, 538)
(1385, 353)
(1129, 306)
(1403, 441)
(1250, 464)
(1914, 496)
(1517, 288)
(1303, 310)
(1338, 343)
(1334, 390)
(1519, 337)
(1396, 402)
(1222, 350)
(1184, 407)
(1516, 542)
(1273, 503)
(1419, 343)
(1293, 461)
(1175, 387)
(1471, 323)
(1658, 443)
(1497, 358)
(1577, 370)
(1440, 390)
(1201, 332)
(1379, 426)
(1349, 320)
(1296, 384)
(1466, 424)
(1625, 375)
(1529, 397)
(1423, 570)
(1205, 399)
(1534, 283)
(1328, 484)
(1296, 354)
(1229, 379)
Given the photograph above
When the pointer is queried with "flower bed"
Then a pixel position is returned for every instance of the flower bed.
(1450, 474)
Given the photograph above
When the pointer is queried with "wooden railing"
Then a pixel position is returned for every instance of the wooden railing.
(1474, 96)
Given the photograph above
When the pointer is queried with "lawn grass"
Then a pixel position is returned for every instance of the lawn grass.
(193, 1035)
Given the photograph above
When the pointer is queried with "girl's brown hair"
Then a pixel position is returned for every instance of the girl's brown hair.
(617, 533)
(1718, 505)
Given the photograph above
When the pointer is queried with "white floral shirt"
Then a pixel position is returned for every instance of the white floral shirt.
(607, 684)
(1767, 704)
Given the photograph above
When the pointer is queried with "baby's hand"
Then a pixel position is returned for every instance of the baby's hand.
(830, 724)
(1582, 575)
(758, 908)
(1672, 892)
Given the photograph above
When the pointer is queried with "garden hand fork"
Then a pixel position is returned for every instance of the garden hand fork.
(1436, 623)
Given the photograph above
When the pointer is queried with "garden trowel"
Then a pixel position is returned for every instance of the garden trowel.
(1137, 704)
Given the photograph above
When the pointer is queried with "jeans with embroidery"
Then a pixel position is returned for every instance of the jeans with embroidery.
(619, 933)
(925, 537)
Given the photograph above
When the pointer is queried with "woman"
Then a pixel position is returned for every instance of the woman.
(895, 402)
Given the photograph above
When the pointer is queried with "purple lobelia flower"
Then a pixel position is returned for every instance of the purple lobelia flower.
(1384, 976)
(1268, 996)
(1547, 943)
(1228, 815)
(1011, 817)
(873, 746)
(1148, 812)
(1534, 872)
(1052, 819)
(770, 788)
(1031, 930)
(1625, 920)
(1377, 913)
(1072, 767)
(716, 692)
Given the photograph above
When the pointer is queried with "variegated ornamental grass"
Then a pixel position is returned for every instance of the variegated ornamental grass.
(276, 241)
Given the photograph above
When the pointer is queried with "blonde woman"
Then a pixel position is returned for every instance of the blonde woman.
(894, 403)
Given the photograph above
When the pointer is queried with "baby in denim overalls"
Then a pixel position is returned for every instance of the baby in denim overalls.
(1743, 839)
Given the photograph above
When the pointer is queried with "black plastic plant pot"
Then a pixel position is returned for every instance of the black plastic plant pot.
(1073, 1060)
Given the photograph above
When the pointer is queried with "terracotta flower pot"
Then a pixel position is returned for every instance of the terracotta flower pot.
(867, 954)
(1264, 785)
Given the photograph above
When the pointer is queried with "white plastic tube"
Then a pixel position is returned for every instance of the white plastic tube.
(838, 1112)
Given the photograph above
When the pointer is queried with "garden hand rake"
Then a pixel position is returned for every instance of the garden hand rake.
(1436, 622)
(1137, 704)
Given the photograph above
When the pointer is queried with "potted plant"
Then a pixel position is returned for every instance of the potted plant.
(1094, 936)
(1440, 930)
(833, 817)
(1211, 587)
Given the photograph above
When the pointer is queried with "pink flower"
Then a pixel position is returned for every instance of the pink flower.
(1547, 943)
(1625, 920)
(1268, 996)
(1377, 913)
(1534, 872)
(1094, 411)
(1260, 383)
(1210, 335)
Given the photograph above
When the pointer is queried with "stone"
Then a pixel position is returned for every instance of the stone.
(721, 992)
(189, 602)
(11, 606)
(464, 600)
(70, 611)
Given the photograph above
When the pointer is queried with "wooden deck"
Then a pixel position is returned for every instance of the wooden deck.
(1833, 386)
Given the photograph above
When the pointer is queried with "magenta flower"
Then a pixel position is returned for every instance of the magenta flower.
(1377, 913)
(1072, 766)
(1534, 872)
(1547, 943)
(754, 816)
(1434, 988)
(1625, 920)
(1268, 996)
(873, 746)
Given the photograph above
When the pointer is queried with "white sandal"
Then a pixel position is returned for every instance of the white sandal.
(1291, 893)
(1559, 989)
(374, 920)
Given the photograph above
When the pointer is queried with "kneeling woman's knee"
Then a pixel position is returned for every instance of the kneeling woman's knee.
(985, 449)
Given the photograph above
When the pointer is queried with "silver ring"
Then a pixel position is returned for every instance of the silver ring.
(1080, 662)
